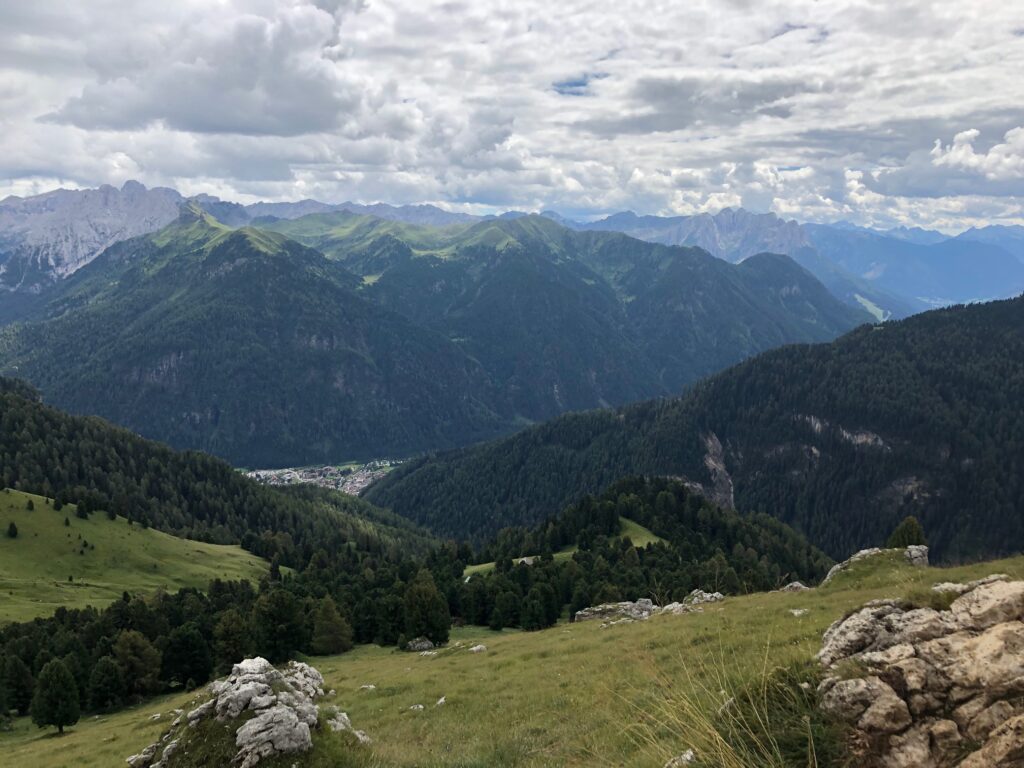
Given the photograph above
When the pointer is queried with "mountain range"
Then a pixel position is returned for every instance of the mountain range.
(891, 273)
(342, 336)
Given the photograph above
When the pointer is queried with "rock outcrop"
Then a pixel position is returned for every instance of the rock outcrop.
(419, 645)
(933, 685)
(285, 712)
(643, 609)
(916, 554)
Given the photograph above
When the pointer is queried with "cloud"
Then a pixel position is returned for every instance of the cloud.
(816, 109)
(1001, 163)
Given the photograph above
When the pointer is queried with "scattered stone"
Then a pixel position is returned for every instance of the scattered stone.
(428, 653)
(936, 684)
(479, 648)
(339, 721)
(416, 707)
(418, 644)
(368, 687)
(626, 612)
(680, 761)
(798, 612)
(441, 702)
(795, 586)
(641, 609)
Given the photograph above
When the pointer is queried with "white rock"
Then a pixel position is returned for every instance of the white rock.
(440, 702)
(272, 732)
(479, 648)
(680, 761)
(795, 586)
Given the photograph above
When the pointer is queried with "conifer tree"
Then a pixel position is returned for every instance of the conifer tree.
(426, 610)
(907, 533)
(55, 701)
(106, 684)
(331, 633)
(19, 683)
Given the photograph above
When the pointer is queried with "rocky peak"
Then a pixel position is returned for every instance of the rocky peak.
(49, 236)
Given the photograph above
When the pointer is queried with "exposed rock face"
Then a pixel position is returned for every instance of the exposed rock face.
(795, 586)
(49, 236)
(643, 609)
(915, 554)
(285, 714)
(936, 684)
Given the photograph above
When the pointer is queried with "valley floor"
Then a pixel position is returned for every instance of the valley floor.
(575, 694)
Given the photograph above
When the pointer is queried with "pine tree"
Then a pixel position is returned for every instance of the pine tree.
(140, 662)
(19, 682)
(56, 697)
(187, 656)
(231, 639)
(907, 533)
(426, 610)
(106, 684)
(277, 625)
(30, 505)
(12, 531)
(331, 633)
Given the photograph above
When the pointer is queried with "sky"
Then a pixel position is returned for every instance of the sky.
(880, 113)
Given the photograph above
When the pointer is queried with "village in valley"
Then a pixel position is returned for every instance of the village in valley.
(352, 479)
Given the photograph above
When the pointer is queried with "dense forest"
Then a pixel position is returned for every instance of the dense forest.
(253, 347)
(841, 440)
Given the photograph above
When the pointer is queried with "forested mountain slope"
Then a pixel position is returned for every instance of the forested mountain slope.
(98, 466)
(571, 320)
(841, 440)
(248, 345)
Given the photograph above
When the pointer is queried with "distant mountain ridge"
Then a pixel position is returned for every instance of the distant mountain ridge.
(50, 236)
(892, 273)
(340, 336)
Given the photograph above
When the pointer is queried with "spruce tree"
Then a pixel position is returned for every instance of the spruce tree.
(187, 656)
(56, 697)
(426, 610)
(331, 633)
(140, 662)
(106, 685)
(907, 533)
(231, 639)
(277, 625)
(12, 531)
(19, 683)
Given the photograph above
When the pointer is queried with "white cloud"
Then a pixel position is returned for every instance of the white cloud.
(817, 109)
(1002, 162)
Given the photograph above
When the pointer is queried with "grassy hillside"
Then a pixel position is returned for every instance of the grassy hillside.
(35, 567)
(550, 697)
(630, 529)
